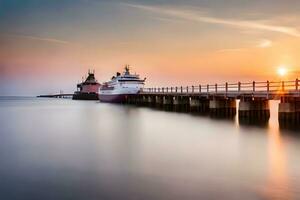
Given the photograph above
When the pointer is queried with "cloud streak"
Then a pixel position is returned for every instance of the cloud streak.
(230, 50)
(264, 43)
(28, 37)
(197, 17)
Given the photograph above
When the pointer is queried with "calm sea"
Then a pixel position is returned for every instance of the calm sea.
(63, 149)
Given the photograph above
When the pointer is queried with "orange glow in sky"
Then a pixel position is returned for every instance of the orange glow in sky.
(47, 47)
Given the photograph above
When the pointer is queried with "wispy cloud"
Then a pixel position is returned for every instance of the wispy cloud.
(191, 15)
(264, 43)
(164, 19)
(29, 37)
(230, 50)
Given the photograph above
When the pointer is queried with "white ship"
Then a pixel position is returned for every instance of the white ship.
(120, 86)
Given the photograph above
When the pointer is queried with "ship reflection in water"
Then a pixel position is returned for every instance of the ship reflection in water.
(63, 149)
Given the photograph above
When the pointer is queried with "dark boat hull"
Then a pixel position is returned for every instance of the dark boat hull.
(113, 98)
(85, 96)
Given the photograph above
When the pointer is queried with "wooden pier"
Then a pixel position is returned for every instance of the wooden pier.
(220, 99)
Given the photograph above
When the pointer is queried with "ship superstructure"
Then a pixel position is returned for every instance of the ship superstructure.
(120, 86)
(88, 89)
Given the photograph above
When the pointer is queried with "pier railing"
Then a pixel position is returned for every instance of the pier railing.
(255, 88)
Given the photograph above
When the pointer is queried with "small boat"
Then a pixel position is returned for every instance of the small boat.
(88, 89)
(120, 87)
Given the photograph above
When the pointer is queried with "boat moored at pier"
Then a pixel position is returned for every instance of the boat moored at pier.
(120, 87)
(88, 89)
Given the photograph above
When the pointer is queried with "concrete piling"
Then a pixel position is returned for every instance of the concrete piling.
(195, 103)
(222, 107)
(181, 103)
(167, 102)
(150, 100)
(158, 101)
(289, 112)
(254, 110)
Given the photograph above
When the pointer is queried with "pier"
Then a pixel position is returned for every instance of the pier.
(220, 100)
(56, 96)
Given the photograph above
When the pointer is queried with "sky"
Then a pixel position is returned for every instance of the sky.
(46, 46)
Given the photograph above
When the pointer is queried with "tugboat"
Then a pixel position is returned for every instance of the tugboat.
(120, 86)
(88, 89)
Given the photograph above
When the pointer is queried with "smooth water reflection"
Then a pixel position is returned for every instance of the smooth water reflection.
(64, 149)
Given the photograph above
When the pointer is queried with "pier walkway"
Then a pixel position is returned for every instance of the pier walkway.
(56, 96)
(220, 99)
(267, 90)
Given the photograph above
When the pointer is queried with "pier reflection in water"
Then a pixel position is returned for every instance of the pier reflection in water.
(279, 183)
(63, 149)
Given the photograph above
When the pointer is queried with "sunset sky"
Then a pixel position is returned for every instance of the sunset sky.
(48, 45)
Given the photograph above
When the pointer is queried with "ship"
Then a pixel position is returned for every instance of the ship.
(120, 87)
(88, 89)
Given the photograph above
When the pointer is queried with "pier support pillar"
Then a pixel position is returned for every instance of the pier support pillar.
(158, 101)
(181, 103)
(144, 100)
(150, 100)
(194, 104)
(222, 107)
(254, 110)
(167, 102)
(199, 105)
(129, 99)
(289, 112)
(138, 99)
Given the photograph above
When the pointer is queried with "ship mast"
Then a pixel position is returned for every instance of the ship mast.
(127, 69)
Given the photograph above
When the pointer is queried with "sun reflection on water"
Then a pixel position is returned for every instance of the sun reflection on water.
(277, 184)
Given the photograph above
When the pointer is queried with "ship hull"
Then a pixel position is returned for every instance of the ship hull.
(85, 96)
(112, 98)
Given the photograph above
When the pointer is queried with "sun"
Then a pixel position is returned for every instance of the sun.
(281, 71)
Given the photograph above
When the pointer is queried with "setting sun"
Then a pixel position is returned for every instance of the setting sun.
(281, 71)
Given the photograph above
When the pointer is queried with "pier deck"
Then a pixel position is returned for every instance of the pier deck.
(220, 99)
(267, 90)
(55, 96)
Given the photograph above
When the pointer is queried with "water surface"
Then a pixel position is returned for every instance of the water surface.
(64, 149)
